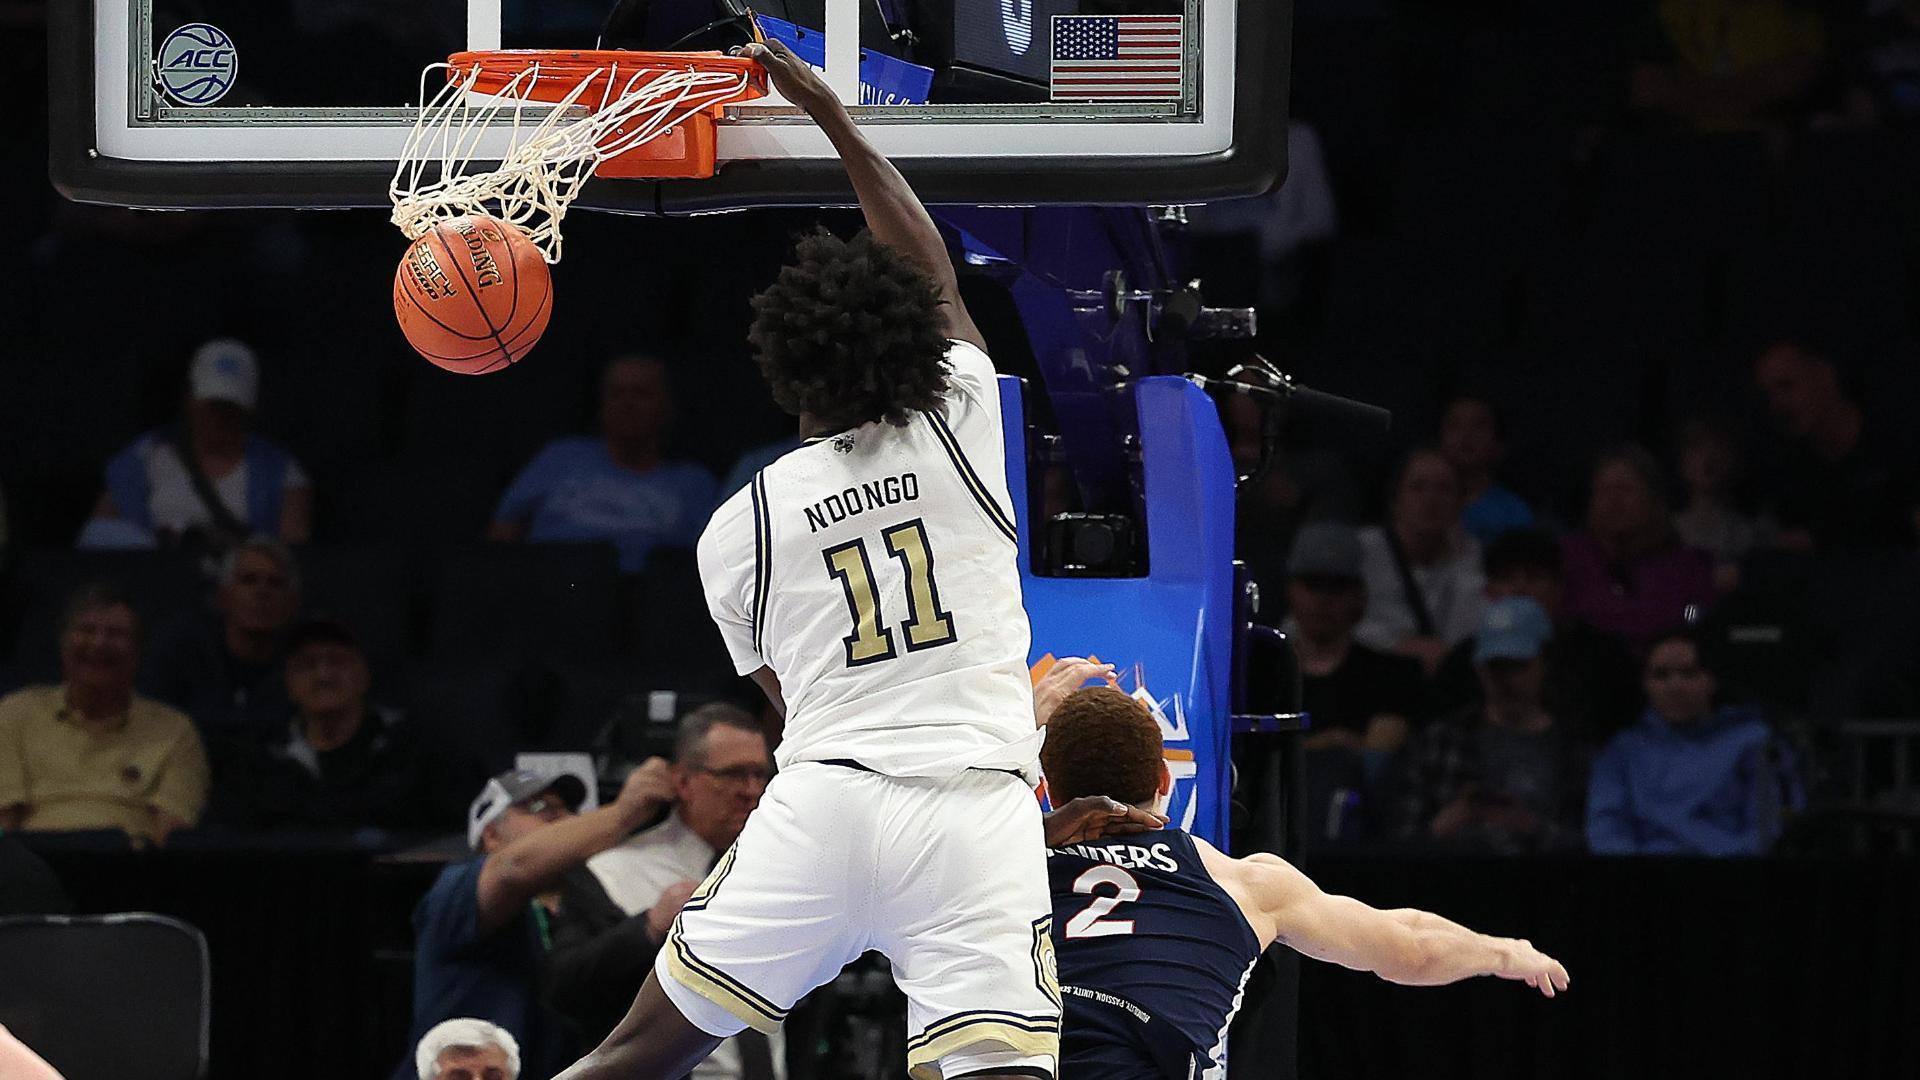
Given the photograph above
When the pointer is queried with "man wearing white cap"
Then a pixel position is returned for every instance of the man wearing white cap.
(207, 473)
(482, 931)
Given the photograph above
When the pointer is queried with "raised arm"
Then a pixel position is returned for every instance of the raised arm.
(1413, 948)
(533, 864)
(894, 213)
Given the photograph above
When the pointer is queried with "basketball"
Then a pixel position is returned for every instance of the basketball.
(473, 294)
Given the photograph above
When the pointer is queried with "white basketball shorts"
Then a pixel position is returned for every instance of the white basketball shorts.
(945, 876)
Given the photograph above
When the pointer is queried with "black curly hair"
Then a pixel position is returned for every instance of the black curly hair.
(851, 332)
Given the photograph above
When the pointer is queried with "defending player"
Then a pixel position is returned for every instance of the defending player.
(1157, 932)
(867, 581)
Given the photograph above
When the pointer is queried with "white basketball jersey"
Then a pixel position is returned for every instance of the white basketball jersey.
(875, 571)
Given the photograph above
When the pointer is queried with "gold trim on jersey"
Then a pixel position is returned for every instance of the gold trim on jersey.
(1046, 970)
(1030, 1035)
(721, 868)
(720, 988)
(970, 479)
(762, 560)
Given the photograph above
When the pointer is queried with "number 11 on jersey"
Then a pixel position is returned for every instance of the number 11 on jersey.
(928, 625)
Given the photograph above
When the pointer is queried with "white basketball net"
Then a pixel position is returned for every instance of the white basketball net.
(551, 150)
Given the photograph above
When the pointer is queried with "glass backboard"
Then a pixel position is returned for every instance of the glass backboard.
(190, 103)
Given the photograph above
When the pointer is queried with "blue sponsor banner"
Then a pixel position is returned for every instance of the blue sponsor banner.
(1169, 635)
(883, 79)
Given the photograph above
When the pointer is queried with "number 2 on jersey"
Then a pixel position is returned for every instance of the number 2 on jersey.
(927, 625)
(1089, 923)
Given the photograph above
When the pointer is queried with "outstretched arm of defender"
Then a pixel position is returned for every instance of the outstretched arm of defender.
(894, 213)
(1413, 948)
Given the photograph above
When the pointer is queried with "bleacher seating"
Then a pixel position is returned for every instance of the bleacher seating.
(371, 588)
(512, 601)
(108, 996)
(1575, 299)
(1704, 192)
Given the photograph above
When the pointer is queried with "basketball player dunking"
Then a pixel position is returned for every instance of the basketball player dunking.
(868, 582)
(1158, 931)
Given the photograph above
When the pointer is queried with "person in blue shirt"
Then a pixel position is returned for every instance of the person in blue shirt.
(620, 488)
(208, 475)
(1473, 439)
(1690, 779)
(480, 933)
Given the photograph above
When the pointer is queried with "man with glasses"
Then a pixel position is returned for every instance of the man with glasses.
(613, 919)
(481, 931)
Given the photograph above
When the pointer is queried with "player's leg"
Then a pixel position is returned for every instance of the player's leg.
(655, 1040)
(966, 926)
(771, 922)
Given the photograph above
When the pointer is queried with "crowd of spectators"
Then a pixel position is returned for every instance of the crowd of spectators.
(1554, 686)
(552, 926)
(1492, 663)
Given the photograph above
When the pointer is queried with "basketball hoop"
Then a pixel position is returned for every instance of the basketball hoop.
(613, 113)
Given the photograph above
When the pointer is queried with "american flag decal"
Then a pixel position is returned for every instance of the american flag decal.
(1118, 57)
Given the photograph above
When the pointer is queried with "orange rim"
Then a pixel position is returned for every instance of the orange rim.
(561, 70)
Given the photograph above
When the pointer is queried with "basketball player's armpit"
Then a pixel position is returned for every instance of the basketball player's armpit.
(769, 683)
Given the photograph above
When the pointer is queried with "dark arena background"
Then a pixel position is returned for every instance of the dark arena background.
(1611, 642)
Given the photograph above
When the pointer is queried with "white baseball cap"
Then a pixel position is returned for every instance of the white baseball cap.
(225, 369)
(517, 786)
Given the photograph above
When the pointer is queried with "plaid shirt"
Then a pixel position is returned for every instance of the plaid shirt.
(1448, 760)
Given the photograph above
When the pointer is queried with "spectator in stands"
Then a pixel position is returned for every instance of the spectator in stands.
(1361, 699)
(89, 753)
(1690, 779)
(621, 488)
(613, 920)
(225, 668)
(341, 762)
(208, 477)
(480, 932)
(1840, 485)
(1729, 65)
(1886, 66)
(467, 1049)
(1422, 570)
(1298, 485)
(1473, 438)
(1712, 520)
(1504, 775)
(1592, 681)
(1627, 573)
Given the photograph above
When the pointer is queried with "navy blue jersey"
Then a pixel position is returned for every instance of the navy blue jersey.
(1153, 958)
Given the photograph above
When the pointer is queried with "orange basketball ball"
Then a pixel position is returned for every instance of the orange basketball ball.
(473, 294)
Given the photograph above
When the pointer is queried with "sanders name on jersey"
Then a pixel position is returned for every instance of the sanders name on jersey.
(1124, 856)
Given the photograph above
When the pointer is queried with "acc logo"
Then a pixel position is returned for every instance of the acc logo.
(196, 64)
